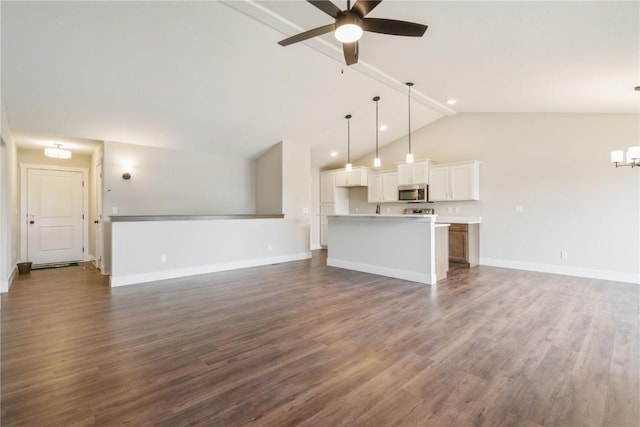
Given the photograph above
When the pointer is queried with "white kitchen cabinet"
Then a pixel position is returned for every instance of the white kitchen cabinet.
(413, 173)
(327, 186)
(325, 209)
(357, 177)
(454, 181)
(332, 200)
(383, 187)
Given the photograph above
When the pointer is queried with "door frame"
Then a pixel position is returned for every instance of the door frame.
(24, 167)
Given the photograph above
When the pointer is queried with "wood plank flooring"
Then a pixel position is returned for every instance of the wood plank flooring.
(302, 344)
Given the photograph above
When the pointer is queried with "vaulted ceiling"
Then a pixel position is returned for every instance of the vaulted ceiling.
(210, 76)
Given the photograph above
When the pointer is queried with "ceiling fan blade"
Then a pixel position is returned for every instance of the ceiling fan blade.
(327, 7)
(363, 7)
(307, 35)
(350, 52)
(391, 26)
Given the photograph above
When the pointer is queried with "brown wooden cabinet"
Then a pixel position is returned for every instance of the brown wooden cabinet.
(464, 244)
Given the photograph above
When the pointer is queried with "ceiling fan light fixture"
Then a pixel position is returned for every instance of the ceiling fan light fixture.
(348, 29)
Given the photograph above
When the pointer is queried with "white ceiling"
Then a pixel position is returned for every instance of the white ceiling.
(210, 76)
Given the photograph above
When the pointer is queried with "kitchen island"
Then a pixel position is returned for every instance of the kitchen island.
(399, 246)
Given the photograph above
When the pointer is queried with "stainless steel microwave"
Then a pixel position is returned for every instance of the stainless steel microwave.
(413, 193)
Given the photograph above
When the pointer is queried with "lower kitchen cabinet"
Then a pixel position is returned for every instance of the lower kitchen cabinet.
(464, 244)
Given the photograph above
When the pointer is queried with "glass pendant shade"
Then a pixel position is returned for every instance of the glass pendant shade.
(376, 162)
(409, 157)
(348, 167)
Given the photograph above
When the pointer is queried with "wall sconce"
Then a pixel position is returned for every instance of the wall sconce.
(126, 171)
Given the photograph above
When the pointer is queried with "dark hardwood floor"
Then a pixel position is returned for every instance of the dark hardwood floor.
(302, 344)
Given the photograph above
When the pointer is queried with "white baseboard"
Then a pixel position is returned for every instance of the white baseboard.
(316, 247)
(429, 279)
(6, 284)
(202, 269)
(614, 276)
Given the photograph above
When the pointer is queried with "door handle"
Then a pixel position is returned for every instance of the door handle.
(96, 221)
(32, 222)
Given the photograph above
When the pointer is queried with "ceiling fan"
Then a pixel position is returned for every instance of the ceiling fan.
(350, 23)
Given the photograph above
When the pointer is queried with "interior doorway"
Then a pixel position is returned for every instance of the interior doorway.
(54, 212)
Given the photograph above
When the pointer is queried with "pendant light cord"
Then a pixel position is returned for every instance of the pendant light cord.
(377, 98)
(409, 102)
(348, 117)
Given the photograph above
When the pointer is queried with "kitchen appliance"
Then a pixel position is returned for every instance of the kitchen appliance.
(413, 193)
(422, 211)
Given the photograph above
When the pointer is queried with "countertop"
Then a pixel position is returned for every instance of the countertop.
(459, 219)
(404, 216)
(133, 218)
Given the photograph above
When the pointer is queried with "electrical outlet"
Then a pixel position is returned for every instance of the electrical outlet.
(114, 210)
(449, 209)
(564, 254)
(305, 210)
(388, 210)
(270, 246)
(457, 209)
(163, 258)
(518, 209)
(357, 210)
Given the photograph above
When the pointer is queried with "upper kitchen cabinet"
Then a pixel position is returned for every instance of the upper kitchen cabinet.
(413, 173)
(383, 187)
(454, 181)
(357, 177)
(327, 186)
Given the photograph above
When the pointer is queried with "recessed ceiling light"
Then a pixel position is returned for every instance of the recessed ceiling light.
(334, 153)
(451, 101)
(383, 127)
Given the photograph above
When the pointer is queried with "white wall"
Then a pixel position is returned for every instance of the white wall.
(269, 181)
(195, 247)
(315, 209)
(165, 182)
(296, 183)
(200, 246)
(176, 182)
(556, 166)
(9, 205)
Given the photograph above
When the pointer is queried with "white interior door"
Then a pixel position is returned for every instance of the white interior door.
(54, 216)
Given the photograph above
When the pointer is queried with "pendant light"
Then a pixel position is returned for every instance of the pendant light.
(376, 161)
(348, 167)
(409, 154)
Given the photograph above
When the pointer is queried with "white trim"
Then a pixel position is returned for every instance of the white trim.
(615, 276)
(6, 285)
(24, 167)
(414, 276)
(316, 246)
(203, 269)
